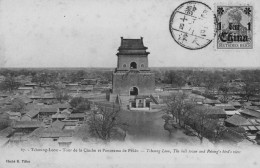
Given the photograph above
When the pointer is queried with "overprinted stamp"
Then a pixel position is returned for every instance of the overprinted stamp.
(235, 27)
(193, 25)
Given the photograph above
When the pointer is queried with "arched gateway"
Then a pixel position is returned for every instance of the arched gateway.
(134, 91)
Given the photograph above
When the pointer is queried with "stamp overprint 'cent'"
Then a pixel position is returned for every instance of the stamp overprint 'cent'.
(192, 25)
(235, 27)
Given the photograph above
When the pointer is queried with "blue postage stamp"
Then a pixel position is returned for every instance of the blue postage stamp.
(235, 27)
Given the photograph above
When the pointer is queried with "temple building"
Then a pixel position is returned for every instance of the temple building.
(132, 75)
(133, 81)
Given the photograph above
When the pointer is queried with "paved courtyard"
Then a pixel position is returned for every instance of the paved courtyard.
(148, 127)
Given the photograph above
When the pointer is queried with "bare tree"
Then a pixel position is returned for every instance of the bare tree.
(103, 122)
(203, 121)
(177, 108)
(199, 117)
(175, 104)
(178, 105)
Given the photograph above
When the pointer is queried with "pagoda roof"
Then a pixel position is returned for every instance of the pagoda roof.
(134, 44)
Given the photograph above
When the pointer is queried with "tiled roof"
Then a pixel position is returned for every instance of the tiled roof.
(251, 113)
(247, 103)
(30, 84)
(37, 132)
(252, 108)
(65, 139)
(59, 105)
(66, 111)
(237, 120)
(32, 113)
(55, 134)
(209, 101)
(142, 96)
(6, 132)
(132, 44)
(77, 115)
(210, 110)
(226, 106)
(25, 88)
(256, 103)
(58, 125)
(70, 123)
(59, 115)
(13, 113)
(235, 103)
(48, 110)
(27, 124)
(230, 134)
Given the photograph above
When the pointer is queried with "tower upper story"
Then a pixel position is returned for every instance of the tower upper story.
(132, 55)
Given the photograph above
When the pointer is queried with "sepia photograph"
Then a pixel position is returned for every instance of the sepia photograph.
(129, 83)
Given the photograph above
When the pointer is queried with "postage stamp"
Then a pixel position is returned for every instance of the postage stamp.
(193, 25)
(235, 27)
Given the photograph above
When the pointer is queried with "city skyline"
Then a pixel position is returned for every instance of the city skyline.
(85, 34)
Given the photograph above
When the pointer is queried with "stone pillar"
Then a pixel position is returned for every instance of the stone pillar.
(144, 103)
(130, 105)
(136, 103)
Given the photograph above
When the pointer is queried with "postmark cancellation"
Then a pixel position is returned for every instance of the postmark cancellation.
(192, 25)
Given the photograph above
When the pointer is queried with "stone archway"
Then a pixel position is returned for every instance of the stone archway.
(133, 65)
(134, 91)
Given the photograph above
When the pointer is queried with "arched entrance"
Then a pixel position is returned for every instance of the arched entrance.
(134, 91)
(133, 65)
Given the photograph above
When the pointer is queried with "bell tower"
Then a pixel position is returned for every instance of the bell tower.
(132, 75)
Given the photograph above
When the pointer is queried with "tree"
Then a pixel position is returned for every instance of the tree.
(189, 115)
(4, 121)
(41, 78)
(175, 104)
(224, 90)
(250, 89)
(177, 107)
(103, 122)
(80, 104)
(17, 105)
(76, 77)
(212, 81)
(175, 78)
(9, 84)
(201, 120)
(199, 117)
(251, 86)
(61, 94)
(82, 107)
(76, 101)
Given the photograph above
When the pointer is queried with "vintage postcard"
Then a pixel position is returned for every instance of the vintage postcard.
(129, 83)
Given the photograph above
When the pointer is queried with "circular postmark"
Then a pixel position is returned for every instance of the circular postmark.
(193, 25)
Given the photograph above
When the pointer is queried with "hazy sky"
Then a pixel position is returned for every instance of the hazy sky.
(86, 33)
